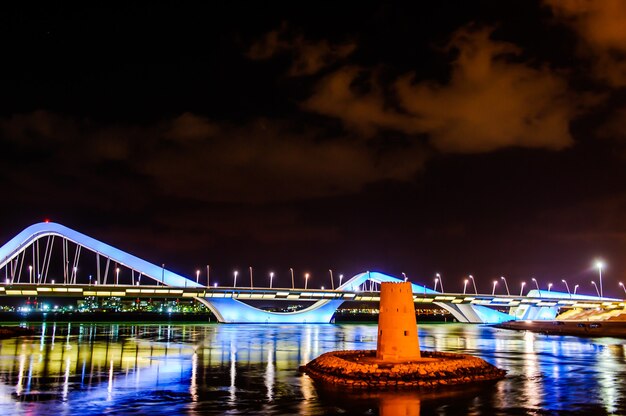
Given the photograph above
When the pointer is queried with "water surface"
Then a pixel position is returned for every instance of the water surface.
(92, 369)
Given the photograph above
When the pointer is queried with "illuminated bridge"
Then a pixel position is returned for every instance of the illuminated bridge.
(26, 260)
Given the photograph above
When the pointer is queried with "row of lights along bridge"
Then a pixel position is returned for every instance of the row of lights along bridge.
(438, 281)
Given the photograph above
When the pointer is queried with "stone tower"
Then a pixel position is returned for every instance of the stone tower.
(397, 326)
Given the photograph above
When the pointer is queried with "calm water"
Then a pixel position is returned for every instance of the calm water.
(92, 369)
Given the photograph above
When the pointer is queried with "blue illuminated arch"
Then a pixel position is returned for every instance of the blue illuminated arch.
(43, 229)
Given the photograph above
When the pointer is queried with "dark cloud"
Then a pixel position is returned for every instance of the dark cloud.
(600, 26)
(193, 157)
(492, 101)
(614, 129)
(308, 57)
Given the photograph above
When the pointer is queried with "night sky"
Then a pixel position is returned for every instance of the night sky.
(482, 137)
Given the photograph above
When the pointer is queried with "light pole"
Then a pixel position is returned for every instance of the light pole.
(465, 285)
(436, 281)
(622, 285)
(208, 269)
(537, 284)
(306, 280)
(506, 286)
(405, 278)
(251, 285)
(596, 286)
(271, 278)
(440, 282)
(30, 274)
(521, 291)
(332, 282)
(293, 285)
(197, 276)
(235, 279)
(575, 288)
(600, 265)
(117, 275)
(474, 283)
(549, 287)
(340, 279)
(493, 292)
(567, 287)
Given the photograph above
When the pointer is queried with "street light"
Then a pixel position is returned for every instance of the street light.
(549, 287)
(332, 282)
(440, 282)
(271, 278)
(235, 279)
(620, 283)
(474, 283)
(405, 278)
(537, 284)
(30, 274)
(340, 279)
(306, 280)
(506, 286)
(600, 265)
(575, 288)
(197, 276)
(495, 283)
(117, 275)
(596, 286)
(293, 285)
(251, 285)
(567, 287)
(465, 285)
(521, 291)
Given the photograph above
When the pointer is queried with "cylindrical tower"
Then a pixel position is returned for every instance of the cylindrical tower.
(397, 326)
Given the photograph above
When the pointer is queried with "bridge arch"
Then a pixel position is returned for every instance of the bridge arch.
(228, 309)
(31, 234)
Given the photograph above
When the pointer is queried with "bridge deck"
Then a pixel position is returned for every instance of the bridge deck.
(284, 294)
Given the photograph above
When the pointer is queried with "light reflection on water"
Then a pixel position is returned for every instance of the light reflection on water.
(91, 369)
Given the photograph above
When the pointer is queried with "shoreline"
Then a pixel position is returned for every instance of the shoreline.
(202, 317)
(615, 329)
(38, 317)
